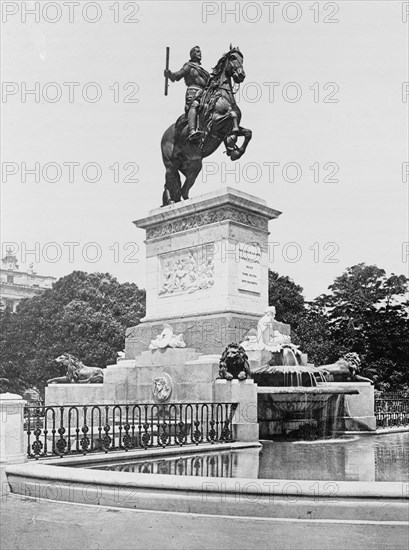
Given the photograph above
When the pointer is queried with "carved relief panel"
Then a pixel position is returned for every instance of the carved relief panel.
(186, 271)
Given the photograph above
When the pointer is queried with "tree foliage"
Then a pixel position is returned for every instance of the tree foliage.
(368, 314)
(86, 314)
(287, 298)
(314, 337)
(83, 314)
(365, 311)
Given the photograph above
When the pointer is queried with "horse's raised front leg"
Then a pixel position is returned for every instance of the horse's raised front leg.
(232, 150)
(235, 118)
(230, 142)
(247, 134)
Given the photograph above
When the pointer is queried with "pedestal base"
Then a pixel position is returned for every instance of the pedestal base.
(243, 392)
(132, 381)
(191, 379)
(75, 394)
(207, 334)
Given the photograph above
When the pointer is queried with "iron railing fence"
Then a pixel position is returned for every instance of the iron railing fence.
(392, 410)
(73, 429)
(392, 395)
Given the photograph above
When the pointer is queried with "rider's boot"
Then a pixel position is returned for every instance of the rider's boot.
(194, 135)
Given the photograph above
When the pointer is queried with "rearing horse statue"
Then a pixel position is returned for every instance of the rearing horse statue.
(219, 121)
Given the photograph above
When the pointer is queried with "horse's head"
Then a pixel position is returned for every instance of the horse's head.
(231, 64)
(234, 65)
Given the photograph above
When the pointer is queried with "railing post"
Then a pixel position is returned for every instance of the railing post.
(12, 436)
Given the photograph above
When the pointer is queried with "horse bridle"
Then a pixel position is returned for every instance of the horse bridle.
(235, 64)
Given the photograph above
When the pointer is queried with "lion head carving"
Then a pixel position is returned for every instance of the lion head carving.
(72, 364)
(353, 361)
(234, 363)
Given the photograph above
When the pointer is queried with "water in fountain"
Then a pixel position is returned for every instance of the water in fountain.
(288, 375)
(331, 417)
(295, 401)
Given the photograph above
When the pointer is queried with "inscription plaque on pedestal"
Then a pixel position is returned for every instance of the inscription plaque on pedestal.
(249, 267)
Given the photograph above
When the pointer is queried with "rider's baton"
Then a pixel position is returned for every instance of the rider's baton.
(167, 68)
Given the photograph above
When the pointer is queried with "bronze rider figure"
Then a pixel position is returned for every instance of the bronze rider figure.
(196, 78)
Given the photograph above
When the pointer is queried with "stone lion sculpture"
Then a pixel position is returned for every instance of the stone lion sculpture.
(234, 363)
(345, 369)
(77, 372)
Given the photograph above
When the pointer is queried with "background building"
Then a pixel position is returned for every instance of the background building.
(17, 285)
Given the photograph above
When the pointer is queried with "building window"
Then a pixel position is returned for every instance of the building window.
(10, 279)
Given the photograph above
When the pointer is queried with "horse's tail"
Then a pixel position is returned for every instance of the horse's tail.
(171, 160)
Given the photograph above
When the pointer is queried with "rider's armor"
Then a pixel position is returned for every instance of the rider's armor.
(196, 79)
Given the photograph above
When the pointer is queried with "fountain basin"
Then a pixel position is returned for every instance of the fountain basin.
(323, 388)
(302, 412)
(269, 496)
(298, 399)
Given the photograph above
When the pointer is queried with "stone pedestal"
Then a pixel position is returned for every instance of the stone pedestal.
(12, 441)
(206, 270)
(189, 376)
(206, 276)
(74, 394)
(208, 334)
(244, 392)
(359, 409)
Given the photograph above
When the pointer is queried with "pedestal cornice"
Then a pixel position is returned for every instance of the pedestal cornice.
(222, 205)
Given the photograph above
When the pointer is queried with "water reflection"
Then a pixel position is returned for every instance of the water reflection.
(242, 463)
(364, 458)
(209, 465)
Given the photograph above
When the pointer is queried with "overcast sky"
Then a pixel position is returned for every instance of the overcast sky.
(357, 136)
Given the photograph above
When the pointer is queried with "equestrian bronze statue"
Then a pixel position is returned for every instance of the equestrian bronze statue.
(211, 117)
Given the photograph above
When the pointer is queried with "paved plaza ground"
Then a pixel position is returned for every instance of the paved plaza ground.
(48, 525)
